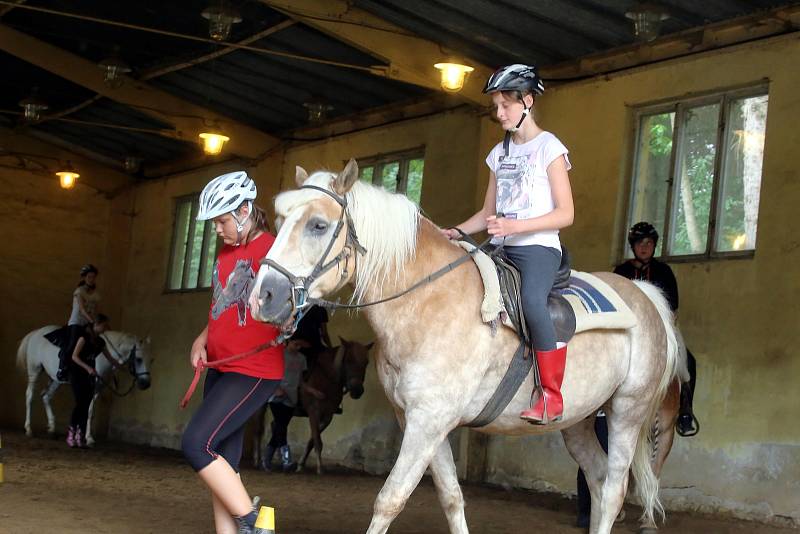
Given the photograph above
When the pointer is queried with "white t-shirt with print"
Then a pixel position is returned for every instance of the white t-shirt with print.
(523, 188)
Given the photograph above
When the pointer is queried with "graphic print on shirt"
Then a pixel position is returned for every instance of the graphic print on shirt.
(514, 186)
(237, 290)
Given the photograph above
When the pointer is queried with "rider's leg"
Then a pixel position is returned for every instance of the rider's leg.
(538, 266)
(687, 422)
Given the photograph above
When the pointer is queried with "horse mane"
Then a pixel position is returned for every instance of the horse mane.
(386, 225)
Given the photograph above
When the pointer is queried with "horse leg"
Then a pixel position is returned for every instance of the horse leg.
(32, 376)
(258, 435)
(309, 447)
(421, 440)
(445, 478)
(89, 437)
(623, 435)
(48, 408)
(582, 444)
(316, 436)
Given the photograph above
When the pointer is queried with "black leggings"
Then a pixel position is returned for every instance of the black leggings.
(281, 416)
(83, 389)
(217, 427)
(538, 266)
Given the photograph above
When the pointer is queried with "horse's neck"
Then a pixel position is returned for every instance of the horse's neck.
(433, 252)
(119, 344)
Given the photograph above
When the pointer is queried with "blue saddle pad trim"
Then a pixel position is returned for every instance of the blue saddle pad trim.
(591, 298)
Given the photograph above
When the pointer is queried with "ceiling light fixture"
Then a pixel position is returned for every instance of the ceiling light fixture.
(221, 19)
(67, 176)
(647, 18)
(454, 75)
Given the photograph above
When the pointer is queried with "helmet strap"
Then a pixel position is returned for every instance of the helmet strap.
(525, 112)
(240, 224)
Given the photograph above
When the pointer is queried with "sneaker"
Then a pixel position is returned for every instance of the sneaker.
(71, 437)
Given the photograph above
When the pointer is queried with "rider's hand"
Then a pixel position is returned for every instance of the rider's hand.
(198, 354)
(450, 233)
(91, 371)
(500, 226)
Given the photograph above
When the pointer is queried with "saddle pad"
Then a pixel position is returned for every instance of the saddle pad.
(595, 304)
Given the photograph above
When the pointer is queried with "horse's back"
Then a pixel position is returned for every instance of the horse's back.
(32, 345)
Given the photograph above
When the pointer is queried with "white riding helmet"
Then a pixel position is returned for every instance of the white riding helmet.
(224, 194)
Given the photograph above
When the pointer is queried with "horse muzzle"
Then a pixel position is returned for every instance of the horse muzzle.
(143, 382)
(356, 391)
(271, 302)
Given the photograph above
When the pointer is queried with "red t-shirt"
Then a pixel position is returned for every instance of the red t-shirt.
(231, 328)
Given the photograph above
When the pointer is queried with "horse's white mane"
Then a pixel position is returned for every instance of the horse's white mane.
(386, 225)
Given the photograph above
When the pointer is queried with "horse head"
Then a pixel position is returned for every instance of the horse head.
(334, 230)
(313, 254)
(139, 362)
(356, 359)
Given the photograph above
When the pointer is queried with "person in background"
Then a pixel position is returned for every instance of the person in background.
(84, 309)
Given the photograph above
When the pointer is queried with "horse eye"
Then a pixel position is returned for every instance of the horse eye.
(317, 226)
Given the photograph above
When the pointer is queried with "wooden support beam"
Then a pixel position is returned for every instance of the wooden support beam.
(696, 40)
(189, 119)
(410, 57)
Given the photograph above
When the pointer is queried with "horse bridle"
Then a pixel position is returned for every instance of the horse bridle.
(301, 284)
(131, 369)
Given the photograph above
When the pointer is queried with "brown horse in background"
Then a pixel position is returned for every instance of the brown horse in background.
(333, 371)
(337, 371)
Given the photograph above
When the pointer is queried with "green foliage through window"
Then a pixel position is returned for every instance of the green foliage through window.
(194, 248)
(697, 173)
(397, 173)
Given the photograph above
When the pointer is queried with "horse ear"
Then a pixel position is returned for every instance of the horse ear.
(370, 345)
(345, 179)
(343, 340)
(147, 340)
(300, 176)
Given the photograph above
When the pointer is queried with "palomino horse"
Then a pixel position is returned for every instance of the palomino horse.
(35, 353)
(439, 364)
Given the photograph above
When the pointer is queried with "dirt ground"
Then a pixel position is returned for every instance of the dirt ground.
(119, 488)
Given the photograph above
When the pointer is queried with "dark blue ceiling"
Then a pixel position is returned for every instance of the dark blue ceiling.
(267, 92)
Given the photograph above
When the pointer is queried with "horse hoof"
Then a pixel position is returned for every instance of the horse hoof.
(90, 443)
(648, 530)
(29, 433)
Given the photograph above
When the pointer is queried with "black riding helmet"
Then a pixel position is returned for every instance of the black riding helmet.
(515, 77)
(642, 230)
(88, 268)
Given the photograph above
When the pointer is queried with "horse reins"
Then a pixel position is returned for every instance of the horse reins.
(131, 369)
(300, 285)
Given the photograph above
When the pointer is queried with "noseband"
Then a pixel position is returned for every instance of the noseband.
(301, 284)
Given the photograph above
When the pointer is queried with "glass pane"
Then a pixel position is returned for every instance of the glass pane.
(741, 178)
(365, 173)
(414, 183)
(651, 173)
(691, 198)
(194, 258)
(181, 230)
(389, 176)
(211, 254)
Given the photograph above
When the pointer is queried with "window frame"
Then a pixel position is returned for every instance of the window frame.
(403, 157)
(207, 244)
(725, 99)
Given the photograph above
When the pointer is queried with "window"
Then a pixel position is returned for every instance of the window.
(697, 173)
(194, 247)
(398, 173)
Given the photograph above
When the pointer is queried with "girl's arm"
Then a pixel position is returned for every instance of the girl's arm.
(477, 222)
(112, 360)
(562, 215)
(82, 307)
(199, 348)
(77, 358)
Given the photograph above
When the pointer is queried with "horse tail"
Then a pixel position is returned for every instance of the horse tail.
(646, 479)
(22, 351)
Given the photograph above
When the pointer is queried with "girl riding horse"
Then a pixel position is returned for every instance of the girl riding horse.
(528, 200)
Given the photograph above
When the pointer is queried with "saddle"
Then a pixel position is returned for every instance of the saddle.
(561, 312)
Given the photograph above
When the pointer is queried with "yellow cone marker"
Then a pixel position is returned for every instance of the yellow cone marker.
(265, 524)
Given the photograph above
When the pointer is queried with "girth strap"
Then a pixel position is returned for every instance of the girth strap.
(515, 375)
